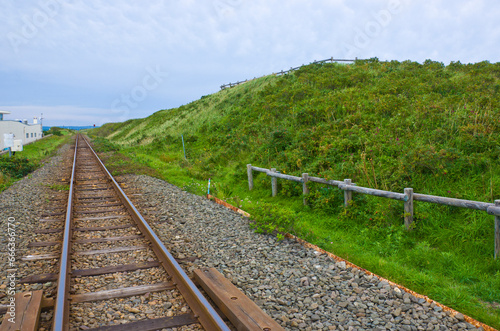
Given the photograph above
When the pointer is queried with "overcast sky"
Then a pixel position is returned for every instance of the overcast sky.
(94, 61)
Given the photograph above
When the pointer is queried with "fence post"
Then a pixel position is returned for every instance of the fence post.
(409, 208)
(250, 177)
(305, 189)
(347, 194)
(497, 232)
(274, 183)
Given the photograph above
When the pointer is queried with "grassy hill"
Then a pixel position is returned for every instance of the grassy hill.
(386, 125)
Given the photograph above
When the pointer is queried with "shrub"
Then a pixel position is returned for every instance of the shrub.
(16, 167)
(269, 218)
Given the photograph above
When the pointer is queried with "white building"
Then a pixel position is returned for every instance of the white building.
(28, 133)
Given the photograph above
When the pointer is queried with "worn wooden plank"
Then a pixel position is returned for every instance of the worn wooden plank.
(227, 205)
(121, 292)
(43, 243)
(103, 198)
(92, 189)
(283, 176)
(100, 218)
(51, 277)
(152, 324)
(38, 257)
(111, 250)
(54, 214)
(375, 192)
(241, 311)
(493, 210)
(105, 228)
(55, 209)
(101, 211)
(113, 269)
(49, 220)
(41, 278)
(107, 239)
(260, 169)
(325, 181)
(100, 205)
(452, 202)
(94, 186)
(47, 231)
(27, 312)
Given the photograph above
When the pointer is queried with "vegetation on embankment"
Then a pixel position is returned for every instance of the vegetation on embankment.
(31, 158)
(388, 125)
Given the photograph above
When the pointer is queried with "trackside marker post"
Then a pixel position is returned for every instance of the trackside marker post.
(183, 148)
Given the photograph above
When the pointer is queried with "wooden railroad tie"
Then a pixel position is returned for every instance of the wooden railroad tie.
(238, 308)
(26, 314)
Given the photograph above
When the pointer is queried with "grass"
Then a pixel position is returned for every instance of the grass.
(32, 157)
(59, 187)
(390, 125)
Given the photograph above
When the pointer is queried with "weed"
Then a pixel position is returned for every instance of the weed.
(59, 187)
(269, 219)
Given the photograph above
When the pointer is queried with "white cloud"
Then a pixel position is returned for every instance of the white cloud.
(88, 53)
(58, 115)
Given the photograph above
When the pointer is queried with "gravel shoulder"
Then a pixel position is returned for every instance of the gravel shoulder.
(24, 203)
(299, 287)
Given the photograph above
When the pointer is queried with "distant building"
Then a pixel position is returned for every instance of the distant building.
(28, 133)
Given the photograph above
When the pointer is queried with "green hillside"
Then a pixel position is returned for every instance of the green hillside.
(385, 125)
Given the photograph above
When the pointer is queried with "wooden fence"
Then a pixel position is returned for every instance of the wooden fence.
(408, 196)
(222, 87)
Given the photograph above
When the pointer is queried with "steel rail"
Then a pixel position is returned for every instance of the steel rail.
(61, 311)
(202, 309)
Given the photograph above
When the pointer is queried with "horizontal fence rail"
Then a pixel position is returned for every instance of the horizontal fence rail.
(378, 193)
(454, 202)
(408, 197)
(332, 60)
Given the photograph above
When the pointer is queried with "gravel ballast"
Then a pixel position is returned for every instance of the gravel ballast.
(301, 288)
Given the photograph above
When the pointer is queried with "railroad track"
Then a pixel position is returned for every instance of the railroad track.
(109, 255)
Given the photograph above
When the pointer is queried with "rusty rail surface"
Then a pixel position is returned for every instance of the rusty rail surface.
(202, 310)
(61, 311)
